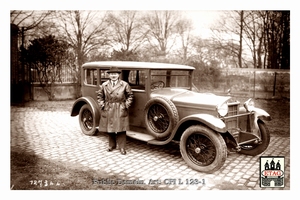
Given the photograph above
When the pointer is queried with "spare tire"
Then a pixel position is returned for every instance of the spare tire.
(161, 116)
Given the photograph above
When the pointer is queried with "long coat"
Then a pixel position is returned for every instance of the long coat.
(114, 103)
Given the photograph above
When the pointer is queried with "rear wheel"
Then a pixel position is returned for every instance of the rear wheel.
(86, 120)
(203, 149)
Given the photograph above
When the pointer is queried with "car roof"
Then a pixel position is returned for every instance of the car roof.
(136, 65)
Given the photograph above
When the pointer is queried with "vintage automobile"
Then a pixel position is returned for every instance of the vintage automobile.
(168, 108)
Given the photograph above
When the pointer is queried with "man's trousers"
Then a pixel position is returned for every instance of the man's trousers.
(117, 138)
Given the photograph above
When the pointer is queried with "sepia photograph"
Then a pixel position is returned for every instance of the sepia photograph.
(149, 99)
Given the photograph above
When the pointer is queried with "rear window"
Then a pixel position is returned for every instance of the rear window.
(90, 76)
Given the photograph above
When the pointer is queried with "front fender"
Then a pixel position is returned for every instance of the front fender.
(257, 114)
(86, 100)
(211, 121)
(262, 114)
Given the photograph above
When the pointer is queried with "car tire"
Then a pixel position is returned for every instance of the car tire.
(203, 149)
(161, 116)
(256, 149)
(86, 120)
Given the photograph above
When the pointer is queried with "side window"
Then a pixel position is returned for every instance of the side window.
(179, 78)
(90, 76)
(159, 75)
(170, 78)
(104, 75)
(160, 79)
(136, 79)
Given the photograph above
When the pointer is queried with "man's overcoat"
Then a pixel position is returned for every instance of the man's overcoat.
(114, 103)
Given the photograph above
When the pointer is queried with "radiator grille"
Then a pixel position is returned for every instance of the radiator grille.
(232, 109)
(232, 123)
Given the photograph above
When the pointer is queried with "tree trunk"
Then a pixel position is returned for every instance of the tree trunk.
(241, 40)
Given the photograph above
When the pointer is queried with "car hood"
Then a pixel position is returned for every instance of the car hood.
(187, 98)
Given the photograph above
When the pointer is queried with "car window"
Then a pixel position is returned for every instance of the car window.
(104, 75)
(136, 79)
(179, 78)
(171, 78)
(90, 76)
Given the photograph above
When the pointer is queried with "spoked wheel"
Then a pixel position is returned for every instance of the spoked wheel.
(161, 117)
(200, 149)
(86, 120)
(203, 149)
(158, 118)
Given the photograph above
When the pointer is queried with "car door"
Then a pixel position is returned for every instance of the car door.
(137, 81)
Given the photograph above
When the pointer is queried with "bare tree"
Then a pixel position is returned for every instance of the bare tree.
(85, 31)
(31, 23)
(241, 25)
(277, 30)
(29, 19)
(252, 34)
(162, 28)
(227, 36)
(128, 29)
(265, 33)
(184, 28)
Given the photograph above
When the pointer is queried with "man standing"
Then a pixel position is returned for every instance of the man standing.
(114, 98)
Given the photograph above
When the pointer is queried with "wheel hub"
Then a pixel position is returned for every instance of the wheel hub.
(197, 150)
(155, 118)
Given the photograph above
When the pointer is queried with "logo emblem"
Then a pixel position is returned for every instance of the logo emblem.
(271, 171)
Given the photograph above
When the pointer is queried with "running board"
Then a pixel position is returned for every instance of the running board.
(140, 136)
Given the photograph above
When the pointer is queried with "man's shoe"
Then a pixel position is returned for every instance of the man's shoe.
(110, 149)
(123, 152)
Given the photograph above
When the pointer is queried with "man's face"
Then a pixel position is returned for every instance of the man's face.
(114, 76)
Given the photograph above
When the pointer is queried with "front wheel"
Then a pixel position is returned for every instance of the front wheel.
(86, 120)
(203, 149)
(255, 149)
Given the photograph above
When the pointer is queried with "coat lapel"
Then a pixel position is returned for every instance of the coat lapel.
(117, 86)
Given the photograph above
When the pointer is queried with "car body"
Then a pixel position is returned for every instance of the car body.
(168, 108)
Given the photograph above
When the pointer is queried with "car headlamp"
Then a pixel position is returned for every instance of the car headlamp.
(223, 109)
(249, 105)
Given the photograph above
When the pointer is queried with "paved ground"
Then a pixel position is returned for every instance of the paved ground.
(54, 135)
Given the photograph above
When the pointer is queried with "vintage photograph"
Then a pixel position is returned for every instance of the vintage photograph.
(150, 100)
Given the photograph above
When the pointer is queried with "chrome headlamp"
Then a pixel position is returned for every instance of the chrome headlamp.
(222, 109)
(249, 105)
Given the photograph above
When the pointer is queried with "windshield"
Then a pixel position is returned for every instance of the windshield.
(171, 78)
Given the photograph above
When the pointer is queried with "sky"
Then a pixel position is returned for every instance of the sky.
(202, 20)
